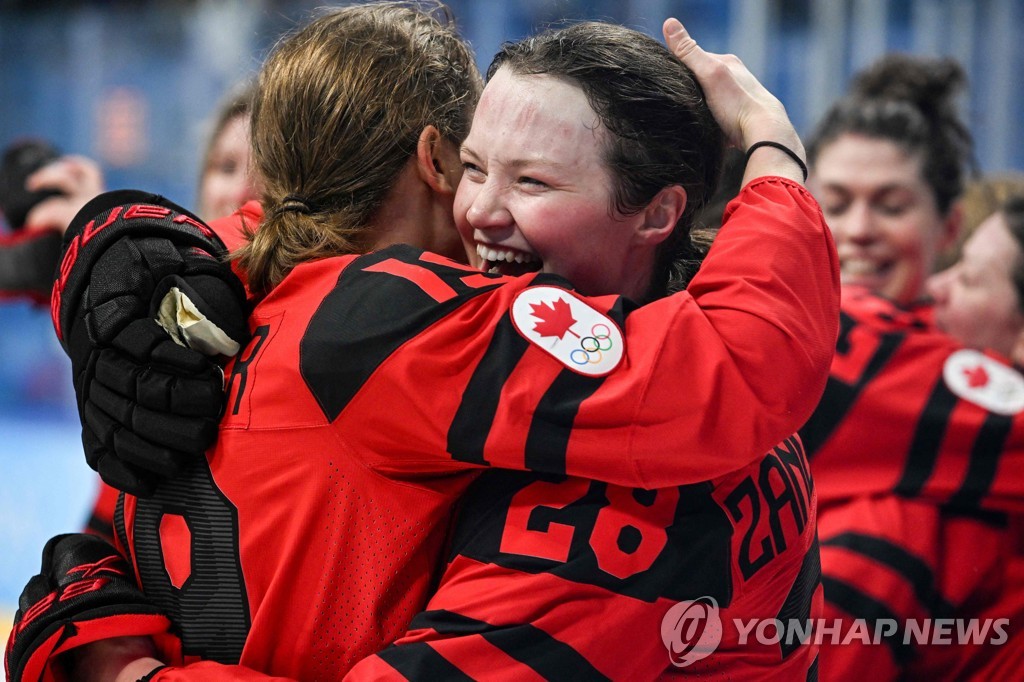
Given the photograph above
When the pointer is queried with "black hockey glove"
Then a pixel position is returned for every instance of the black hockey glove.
(140, 275)
(83, 593)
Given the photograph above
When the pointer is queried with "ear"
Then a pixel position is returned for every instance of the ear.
(951, 227)
(661, 215)
(437, 161)
(1017, 352)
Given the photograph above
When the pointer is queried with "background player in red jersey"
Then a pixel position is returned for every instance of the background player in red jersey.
(642, 460)
(979, 300)
(905, 457)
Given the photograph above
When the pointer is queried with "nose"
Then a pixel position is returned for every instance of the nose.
(858, 223)
(937, 286)
(488, 209)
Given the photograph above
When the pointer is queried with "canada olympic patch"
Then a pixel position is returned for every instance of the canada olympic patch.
(569, 330)
(986, 382)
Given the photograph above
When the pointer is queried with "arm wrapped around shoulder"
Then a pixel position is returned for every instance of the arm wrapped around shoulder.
(143, 304)
(84, 593)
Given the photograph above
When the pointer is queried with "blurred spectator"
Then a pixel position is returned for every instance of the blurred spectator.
(225, 180)
(41, 191)
(20, 159)
(29, 249)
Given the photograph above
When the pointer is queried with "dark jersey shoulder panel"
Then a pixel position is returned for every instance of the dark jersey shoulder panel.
(381, 301)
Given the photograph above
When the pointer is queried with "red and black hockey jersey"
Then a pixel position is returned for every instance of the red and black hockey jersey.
(909, 410)
(569, 579)
(916, 445)
(376, 387)
(895, 571)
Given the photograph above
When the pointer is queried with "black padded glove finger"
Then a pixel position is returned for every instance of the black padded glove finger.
(152, 408)
(149, 407)
(145, 366)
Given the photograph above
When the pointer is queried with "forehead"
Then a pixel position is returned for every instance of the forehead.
(234, 133)
(538, 116)
(992, 243)
(859, 161)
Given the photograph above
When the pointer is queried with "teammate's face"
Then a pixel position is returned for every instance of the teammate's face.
(975, 300)
(536, 192)
(882, 213)
(226, 183)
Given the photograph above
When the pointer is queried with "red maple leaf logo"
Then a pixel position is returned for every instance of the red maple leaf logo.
(555, 319)
(976, 376)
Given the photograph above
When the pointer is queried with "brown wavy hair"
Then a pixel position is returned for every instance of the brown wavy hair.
(337, 112)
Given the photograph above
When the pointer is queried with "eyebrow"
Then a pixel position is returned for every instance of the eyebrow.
(517, 163)
(894, 187)
(884, 189)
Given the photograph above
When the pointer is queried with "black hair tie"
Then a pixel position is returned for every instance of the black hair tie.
(293, 203)
(781, 147)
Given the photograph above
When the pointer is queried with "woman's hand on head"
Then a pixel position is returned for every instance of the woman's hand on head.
(746, 111)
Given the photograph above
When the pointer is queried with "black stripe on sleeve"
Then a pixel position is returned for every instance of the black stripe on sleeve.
(119, 527)
(927, 443)
(531, 646)
(912, 568)
(548, 438)
(839, 397)
(984, 461)
(551, 428)
(211, 607)
(418, 662)
(475, 416)
(988, 517)
(860, 605)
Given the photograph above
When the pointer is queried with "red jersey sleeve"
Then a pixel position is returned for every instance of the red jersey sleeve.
(735, 364)
(522, 373)
(232, 228)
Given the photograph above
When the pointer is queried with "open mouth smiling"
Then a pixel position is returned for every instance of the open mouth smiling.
(503, 261)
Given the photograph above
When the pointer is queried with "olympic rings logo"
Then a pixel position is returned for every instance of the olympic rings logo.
(591, 347)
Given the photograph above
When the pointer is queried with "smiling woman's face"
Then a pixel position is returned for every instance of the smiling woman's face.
(882, 213)
(537, 193)
(975, 299)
